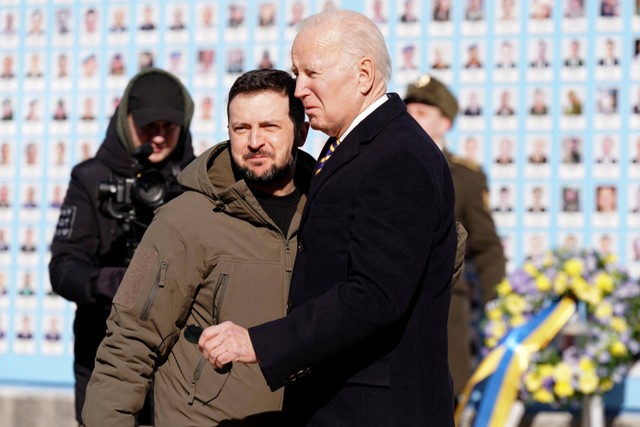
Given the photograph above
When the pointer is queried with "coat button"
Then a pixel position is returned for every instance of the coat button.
(300, 245)
(293, 376)
(289, 306)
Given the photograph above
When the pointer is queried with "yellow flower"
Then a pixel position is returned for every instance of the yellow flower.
(562, 372)
(494, 314)
(603, 310)
(563, 389)
(606, 384)
(560, 283)
(586, 292)
(619, 324)
(490, 342)
(532, 381)
(588, 382)
(579, 285)
(530, 269)
(573, 267)
(592, 295)
(515, 304)
(545, 370)
(543, 396)
(548, 259)
(610, 259)
(604, 282)
(517, 320)
(618, 349)
(499, 329)
(504, 287)
(543, 283)
(586, 365)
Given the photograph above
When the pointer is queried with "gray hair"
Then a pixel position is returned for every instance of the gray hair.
(358, 34)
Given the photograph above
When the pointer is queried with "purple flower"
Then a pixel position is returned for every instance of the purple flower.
(604, 357)
(520, 282)
(619, 308)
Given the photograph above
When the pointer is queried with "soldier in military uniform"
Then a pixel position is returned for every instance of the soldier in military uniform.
(435, 108)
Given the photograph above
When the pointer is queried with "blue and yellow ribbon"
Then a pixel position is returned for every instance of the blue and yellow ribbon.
(507, 362)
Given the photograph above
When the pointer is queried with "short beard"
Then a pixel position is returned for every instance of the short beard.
(273, 175)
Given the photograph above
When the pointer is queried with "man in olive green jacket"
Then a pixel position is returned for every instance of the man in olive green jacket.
(223, 250)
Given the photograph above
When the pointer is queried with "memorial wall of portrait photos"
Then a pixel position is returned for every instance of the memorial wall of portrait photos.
(549, 94)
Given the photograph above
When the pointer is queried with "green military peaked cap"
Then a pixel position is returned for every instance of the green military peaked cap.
(431, 91)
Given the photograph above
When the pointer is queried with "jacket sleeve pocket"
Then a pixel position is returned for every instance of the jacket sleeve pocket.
(159, 283)
(140, 268)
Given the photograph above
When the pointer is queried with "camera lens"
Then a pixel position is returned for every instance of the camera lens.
(150, 188)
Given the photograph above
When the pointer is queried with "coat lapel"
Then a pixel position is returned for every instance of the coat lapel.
(361, 135)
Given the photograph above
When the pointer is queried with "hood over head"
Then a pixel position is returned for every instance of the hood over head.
(152, 94)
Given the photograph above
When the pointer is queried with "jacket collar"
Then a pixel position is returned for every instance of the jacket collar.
(211, 174)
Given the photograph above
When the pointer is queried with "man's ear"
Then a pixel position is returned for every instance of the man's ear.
(303, 132)
(445, 124)
(366, 75)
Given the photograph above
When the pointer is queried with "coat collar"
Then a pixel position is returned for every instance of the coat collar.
(359, 137)
(373, 124)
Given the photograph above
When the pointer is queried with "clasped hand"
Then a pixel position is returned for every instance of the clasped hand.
(225, 343)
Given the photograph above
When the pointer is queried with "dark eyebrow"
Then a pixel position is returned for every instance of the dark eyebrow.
(269, 122)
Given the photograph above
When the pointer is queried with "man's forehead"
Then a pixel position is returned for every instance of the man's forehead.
(278, 103)
(315, 37)
(316, 57)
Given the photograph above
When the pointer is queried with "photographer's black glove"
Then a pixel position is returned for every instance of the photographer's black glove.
(108, 281)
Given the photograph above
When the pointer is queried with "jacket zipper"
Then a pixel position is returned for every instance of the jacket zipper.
(288, 272)
(218, 294)
(289, 265)
(196, 377)
(287, 255)
(162, 276)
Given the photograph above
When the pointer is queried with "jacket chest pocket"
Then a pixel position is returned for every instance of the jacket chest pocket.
(247, 292)
(212, 296)
(209, 388)
(219, 291)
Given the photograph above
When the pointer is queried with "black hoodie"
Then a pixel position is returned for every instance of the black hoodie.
(89, 252)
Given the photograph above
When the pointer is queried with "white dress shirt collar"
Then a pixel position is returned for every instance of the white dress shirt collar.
(370, 109)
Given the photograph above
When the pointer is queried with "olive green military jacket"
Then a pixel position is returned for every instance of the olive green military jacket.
(484, 248)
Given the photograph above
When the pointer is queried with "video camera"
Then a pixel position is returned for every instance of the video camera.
(148, 190)
(133, 200)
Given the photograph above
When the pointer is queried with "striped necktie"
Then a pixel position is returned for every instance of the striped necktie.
(327, 154)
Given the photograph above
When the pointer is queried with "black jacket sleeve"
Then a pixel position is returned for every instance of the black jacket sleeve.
(74, 251)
